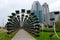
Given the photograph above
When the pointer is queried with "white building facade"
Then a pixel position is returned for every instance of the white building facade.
(46, 15)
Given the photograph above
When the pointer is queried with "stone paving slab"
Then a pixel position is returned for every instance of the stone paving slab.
(23, 35)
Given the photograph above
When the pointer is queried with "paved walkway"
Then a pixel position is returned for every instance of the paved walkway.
(23, 35)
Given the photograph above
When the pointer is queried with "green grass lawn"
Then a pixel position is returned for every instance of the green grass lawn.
(5, 36)
(45, 36)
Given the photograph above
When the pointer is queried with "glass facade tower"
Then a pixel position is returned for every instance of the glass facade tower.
(37, 9)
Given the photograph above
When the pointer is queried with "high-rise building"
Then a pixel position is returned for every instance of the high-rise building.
(52, 18)
(46, 16)
(59, 18)
(55, 14)
(37, 9)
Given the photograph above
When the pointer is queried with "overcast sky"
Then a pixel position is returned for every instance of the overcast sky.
(9, 6)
